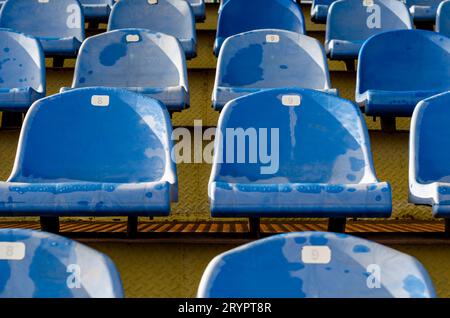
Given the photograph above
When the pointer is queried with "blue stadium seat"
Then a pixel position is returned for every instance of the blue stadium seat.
(242, 16)
(139, 60)
(199, 9)
(351, 22)
(443, 18)
(319, 10)
(423, 10)
(36, 264)
(22, 71)
(92, 152)
(397, 69)
(57, 24)
(253, 61)
(172, 17)
(315, 265)
(223, 2)
(97, 9)
(429, 171)
(319, 165)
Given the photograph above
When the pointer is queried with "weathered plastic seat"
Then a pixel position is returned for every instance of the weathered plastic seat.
(429, 171)
(416, 66)
(351, 22)
(443, 18)
(314, 159)
(92, 152)
(148, 63)
(257, 60)
(315, 265)
(22, 71)
(172, 17)
(36, 264)
(241, 16)
(57, 24)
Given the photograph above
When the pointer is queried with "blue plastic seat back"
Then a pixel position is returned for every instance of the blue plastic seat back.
(100, 134)
(315, 264)
(172, 17)
(291, 124)
(443, 18)
(47, 19)
(223, 2)
(97, 2)
(22, 62)
(365, 21)
(242, 16)
(272, 59)
(130, 58)
(416, 60)
(42, 265)
(431, 146)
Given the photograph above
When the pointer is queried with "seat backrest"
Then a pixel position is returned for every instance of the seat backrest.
(353, 20)
(414, 60)
(95, 135)
(36, 264)
(241, 16)
(429, 140)
(49, 18)
(314, 137)
(223, 2)
(171, 17)
(22, 62)
(443, 18)
(272, 59)
(315, 264)
(130, 58)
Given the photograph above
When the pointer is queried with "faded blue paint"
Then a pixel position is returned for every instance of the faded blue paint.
(344, 37)
(248, 63)
(309, 181)
(279, 261)
(118, 162)
(150, 63)
(58, 25)
(171, 17)
(44, 271)
(393, 86)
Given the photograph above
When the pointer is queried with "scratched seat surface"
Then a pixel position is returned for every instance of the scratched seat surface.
(36, 264)
(423, 10)
(351, 22)
(92, 152)
(242, 16)
(172, 17)
(97, 8)
(22, 71)
(443, 18)
(417, 68)
(309, 157)
(429, 176)
(139, 60)
(57, 24)
(253, 61)
(319, 10)
(315, 265)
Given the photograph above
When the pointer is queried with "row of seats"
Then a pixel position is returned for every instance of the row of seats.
(59, 24)
(104, 171)
(420, 10)
(42, 265)
(100, 9)
(417, 68)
